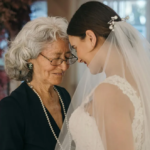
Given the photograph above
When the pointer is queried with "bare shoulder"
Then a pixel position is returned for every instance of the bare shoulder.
(105, 89)
(111, 97)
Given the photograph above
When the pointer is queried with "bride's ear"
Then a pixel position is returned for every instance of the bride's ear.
(91, 37)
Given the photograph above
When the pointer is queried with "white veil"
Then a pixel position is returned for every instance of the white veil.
(127, 56)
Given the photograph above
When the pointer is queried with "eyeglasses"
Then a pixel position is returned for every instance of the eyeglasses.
(58, 61)
(73, 50)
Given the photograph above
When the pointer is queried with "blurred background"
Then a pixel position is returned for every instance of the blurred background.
(15, 13)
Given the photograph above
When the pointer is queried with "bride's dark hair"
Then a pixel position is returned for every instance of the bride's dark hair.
(91, 16)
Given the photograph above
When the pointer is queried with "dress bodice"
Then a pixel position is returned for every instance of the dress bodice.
(83, 127)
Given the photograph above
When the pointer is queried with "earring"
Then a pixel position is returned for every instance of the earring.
(30, 66)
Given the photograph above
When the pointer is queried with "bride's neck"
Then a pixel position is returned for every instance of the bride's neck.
(120, 69)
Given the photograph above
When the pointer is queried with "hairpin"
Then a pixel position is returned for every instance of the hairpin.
(125, 19)
(112, 21)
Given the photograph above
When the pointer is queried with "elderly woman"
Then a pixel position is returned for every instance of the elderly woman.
(32, 116)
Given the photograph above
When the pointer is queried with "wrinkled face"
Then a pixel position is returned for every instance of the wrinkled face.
(44, 70)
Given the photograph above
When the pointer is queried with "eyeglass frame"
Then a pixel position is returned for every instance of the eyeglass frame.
(60, 58)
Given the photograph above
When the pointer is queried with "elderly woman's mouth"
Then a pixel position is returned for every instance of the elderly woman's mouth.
(59, 74)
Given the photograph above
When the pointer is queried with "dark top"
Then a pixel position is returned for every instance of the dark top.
(23, 124)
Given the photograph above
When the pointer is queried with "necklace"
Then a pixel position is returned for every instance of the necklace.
(63, 106)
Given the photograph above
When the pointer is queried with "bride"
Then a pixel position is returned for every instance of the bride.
(110, 109)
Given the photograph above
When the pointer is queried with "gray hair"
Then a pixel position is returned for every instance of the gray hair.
(30, 42)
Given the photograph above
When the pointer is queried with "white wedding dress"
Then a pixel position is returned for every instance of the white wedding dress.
(83, 127)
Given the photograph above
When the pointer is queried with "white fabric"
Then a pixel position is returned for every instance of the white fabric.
(83, 127)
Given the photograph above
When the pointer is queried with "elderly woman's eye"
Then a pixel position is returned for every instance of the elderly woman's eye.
(68, 55)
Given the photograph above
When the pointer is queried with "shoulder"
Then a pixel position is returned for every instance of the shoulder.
(21, 90)
(12, 107)
(107, 90)
(8, 102)
(112, 98)
(15, 101)
(10, 110)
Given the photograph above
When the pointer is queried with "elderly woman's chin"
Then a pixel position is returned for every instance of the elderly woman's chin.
(56, 79)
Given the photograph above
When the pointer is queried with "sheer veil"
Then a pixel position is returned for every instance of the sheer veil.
(128, 57)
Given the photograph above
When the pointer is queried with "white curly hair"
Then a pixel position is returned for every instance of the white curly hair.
(30, 42)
